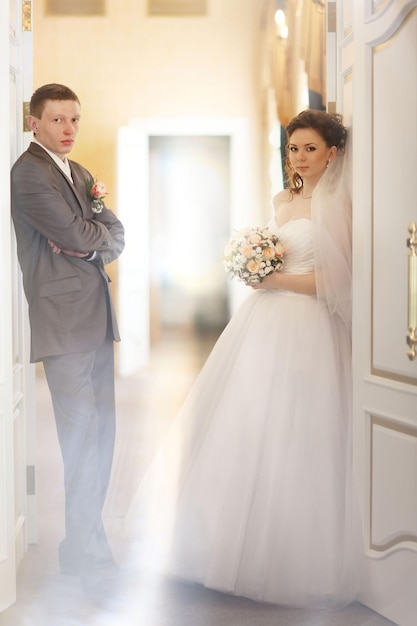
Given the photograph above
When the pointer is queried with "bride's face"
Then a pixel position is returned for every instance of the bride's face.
(308, 153)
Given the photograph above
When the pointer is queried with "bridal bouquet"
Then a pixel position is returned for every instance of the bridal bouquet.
(252, 254)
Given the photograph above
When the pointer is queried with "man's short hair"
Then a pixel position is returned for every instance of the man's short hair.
(53, 91)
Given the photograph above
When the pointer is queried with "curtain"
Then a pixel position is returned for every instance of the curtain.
(302, 53)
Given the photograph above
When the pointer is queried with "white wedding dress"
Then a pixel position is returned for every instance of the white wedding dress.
(250, 493)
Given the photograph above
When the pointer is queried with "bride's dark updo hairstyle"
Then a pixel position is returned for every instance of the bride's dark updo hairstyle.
(328, 125)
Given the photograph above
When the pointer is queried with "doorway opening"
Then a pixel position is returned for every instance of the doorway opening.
(189, 222)
(183, 185)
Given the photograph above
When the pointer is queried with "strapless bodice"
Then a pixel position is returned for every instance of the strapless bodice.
(297, 238)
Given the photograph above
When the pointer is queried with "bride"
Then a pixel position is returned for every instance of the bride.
(251, 492)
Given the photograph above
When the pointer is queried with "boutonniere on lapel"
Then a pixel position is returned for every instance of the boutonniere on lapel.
(96, 191)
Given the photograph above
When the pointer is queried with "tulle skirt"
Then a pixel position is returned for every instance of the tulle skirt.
(251, 491)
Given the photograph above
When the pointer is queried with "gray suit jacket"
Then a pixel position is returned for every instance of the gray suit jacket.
(69, 298)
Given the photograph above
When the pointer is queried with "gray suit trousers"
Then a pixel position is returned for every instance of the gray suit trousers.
(82, 391)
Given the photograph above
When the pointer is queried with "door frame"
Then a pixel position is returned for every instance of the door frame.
(133, 165)
(18, 524)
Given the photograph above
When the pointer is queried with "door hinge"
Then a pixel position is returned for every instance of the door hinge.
(30, 480)
(27, 15)
(26, 110)
(331, 17)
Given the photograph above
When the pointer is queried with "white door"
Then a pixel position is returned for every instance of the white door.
(17, 498)
(7, 518)
(380, 41)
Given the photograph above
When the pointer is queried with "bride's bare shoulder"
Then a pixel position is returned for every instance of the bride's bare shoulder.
(282, 197)
(283, 206)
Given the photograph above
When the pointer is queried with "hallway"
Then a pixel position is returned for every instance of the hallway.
(146, 404)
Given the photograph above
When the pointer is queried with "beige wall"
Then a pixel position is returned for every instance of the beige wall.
(128, 65)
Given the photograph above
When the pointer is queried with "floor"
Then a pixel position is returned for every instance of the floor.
(146, 403)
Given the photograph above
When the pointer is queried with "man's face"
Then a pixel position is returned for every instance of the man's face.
(58, 127)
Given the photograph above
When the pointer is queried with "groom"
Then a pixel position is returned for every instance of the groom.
(63, 246)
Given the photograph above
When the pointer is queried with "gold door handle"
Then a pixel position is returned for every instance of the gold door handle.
(412, 292)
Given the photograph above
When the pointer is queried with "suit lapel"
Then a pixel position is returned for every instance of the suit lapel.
(77, 185)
